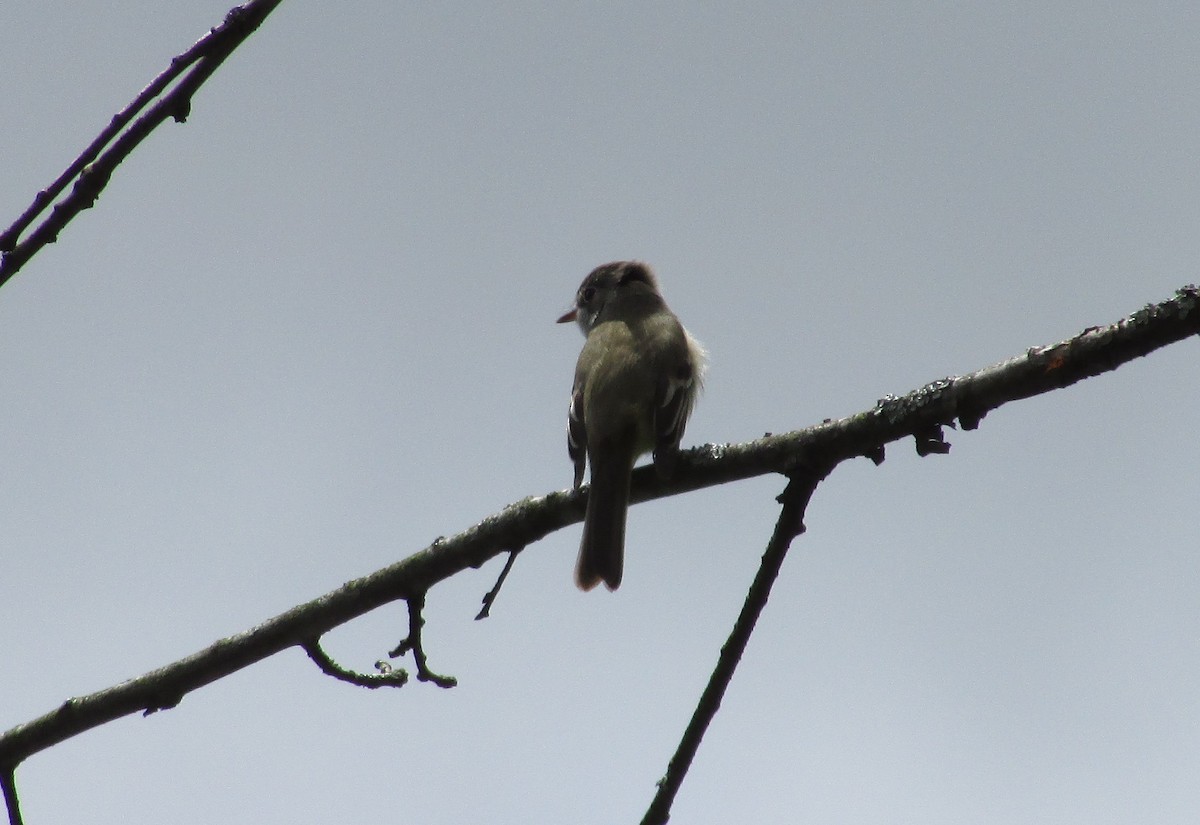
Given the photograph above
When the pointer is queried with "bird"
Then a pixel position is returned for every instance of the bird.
(637, 378)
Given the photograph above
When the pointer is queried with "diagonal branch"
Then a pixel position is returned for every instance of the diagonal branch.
(93, 168)
(8, 780)
(489, 598)
(790, 524)
(965, 399)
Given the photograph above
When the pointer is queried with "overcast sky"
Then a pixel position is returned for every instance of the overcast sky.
(312, 329)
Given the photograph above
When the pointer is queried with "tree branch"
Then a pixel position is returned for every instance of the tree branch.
(8, 779)
(790, 524)
(489, 598)
(93, 168)
(387, 676)
(412, 642)
(965, 399)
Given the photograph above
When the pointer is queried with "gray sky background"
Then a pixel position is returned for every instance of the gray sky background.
(312, 329)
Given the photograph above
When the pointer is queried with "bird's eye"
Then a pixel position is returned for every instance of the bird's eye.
(589, 293)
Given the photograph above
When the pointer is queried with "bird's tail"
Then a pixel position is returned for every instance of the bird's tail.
(602, 549)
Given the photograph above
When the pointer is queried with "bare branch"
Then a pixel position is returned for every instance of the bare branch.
(8, 779)
(413, 642)
(966, 398)
(795, 497)
(93, 168)
(489, 598)
(387, 676)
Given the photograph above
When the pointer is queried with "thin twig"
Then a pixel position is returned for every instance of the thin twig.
(387, 677)
(413, 642)
(489, 598)
(93, 168)
(122, 118)
(8, 779)
(790, 524)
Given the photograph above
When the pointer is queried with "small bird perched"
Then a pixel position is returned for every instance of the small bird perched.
(637, 378)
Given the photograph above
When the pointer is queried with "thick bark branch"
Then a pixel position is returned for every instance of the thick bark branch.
(965, 399)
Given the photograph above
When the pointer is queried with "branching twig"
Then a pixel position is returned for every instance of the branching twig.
(790, 524)
(489, 598)
(387, 677)
(413, 642)
(93, 168)
(967, 398)
(119, 121)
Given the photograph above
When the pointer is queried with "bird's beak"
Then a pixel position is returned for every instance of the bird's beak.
(570, 316)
